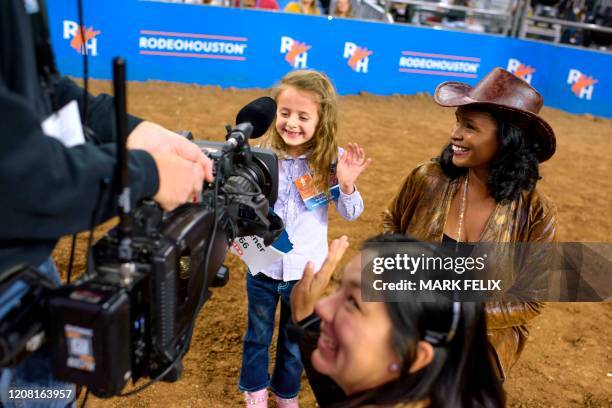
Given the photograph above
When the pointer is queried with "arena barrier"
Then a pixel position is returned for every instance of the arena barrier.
(253, 48)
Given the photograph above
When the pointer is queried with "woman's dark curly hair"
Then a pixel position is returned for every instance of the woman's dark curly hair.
(513, 169)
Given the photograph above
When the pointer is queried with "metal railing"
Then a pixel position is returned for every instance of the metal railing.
(567, 23)
(371, 10)
(442, 8)
(530, 26)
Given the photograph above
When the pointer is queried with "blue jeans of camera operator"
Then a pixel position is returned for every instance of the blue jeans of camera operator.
(35, 373)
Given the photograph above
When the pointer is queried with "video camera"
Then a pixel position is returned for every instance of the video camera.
(132, 314)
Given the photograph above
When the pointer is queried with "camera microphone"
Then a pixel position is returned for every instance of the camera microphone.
(252, 122)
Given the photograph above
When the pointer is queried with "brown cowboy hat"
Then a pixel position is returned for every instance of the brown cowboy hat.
(511, 96)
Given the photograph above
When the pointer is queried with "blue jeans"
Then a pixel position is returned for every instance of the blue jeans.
(35, 371)
(263, 295)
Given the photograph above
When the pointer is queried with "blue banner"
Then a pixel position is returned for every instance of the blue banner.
(253, 48)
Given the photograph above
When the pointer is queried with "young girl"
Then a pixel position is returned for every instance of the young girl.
(304, 137)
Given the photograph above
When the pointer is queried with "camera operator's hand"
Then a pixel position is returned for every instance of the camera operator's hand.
(157, 139)
(179, 180)
(311, 287)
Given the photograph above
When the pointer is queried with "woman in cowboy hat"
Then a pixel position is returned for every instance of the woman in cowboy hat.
(482, 188)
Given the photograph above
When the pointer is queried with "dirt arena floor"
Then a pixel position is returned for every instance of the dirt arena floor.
(568, 360)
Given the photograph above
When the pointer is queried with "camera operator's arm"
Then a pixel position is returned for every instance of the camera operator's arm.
(156, 139)
(100, 109)
(49, 190)
(142, 134)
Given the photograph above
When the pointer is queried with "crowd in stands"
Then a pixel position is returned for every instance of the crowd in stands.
(337, 8)
(597, 12)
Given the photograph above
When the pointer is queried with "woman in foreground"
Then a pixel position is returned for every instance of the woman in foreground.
(390, 354)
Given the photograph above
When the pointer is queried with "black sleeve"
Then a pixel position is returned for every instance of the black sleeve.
(49, 190)
(325, 390)
(101, 110)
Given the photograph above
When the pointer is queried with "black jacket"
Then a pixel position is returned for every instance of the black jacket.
(46, 189)
(306, 333)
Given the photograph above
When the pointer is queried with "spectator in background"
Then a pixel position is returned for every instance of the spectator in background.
(187, 1)
(258, 4)
(222, 3)
(303, 7)
(343, 8)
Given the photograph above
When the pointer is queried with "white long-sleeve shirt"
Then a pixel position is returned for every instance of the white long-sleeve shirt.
(307, 230)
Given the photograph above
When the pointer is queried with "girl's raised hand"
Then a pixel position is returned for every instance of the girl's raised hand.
(350, 166)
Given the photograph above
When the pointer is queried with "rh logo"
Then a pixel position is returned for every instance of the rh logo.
(525, 72)
(582, 85)
(75, 34)
(358, 57)
(296, 53)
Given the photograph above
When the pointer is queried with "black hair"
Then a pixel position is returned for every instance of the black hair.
(513, 169)
(461, 373)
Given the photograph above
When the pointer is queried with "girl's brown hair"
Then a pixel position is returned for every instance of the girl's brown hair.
(322, 149)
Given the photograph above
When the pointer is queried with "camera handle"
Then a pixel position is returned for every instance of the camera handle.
(238, 136)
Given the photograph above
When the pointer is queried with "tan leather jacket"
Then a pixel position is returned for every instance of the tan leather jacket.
(420, 209)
